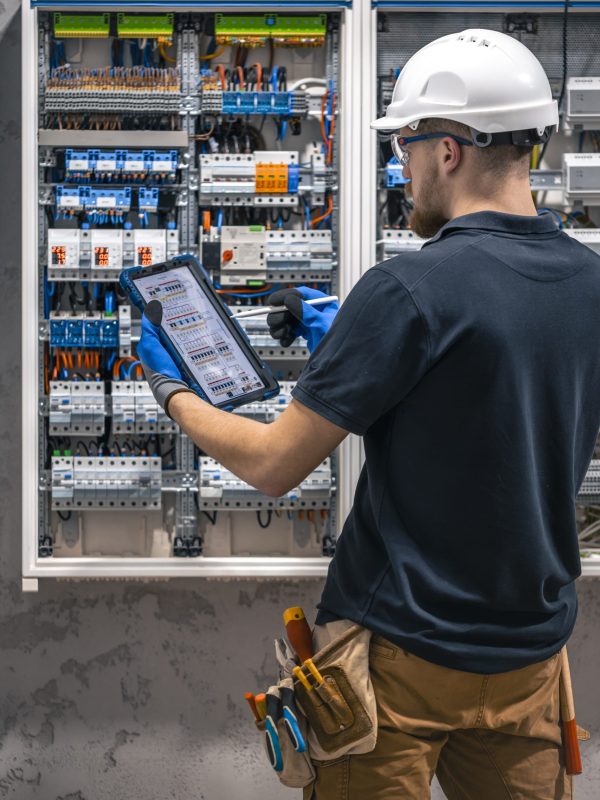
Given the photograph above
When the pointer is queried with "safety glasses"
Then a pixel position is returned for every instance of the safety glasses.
(399, 143)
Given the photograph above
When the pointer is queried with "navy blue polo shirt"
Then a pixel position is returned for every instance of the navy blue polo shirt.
(472, 370)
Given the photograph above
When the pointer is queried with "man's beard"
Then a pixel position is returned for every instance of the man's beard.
(426, 218)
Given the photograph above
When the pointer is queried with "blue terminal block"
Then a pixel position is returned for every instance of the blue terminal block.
(282, 104)
(109, 332)
(148, 199)
(293, 178)
(84, 330)
(106, 200)
(393, 174)
(79, 165)
(69, 198)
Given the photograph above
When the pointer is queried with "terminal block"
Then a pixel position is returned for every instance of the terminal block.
(69, 199)
(81, 26)
(400, 241)
(255, 31)
(137, 26)
(583, 103)
(260, 178)
(128, 91)
(148, 199)
(77, 407)
(134, 410)
(95, 329)
(581, 173)
(214, 100)
(217, 483)
(100, 205)
(120, 165)
(105, 482)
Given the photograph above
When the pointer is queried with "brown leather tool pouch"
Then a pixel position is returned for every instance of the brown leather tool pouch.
(341, 711)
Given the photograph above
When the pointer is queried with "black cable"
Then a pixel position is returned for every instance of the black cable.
(564, 76)
(66, 517)
(564, 53)
(84, 446)
(213, 519)
(269, 518)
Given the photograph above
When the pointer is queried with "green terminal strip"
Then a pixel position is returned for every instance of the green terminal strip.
(270, 25)
(81, 26)
(156, 26)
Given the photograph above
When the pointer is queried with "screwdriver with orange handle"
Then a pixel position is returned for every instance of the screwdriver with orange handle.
(567, 713)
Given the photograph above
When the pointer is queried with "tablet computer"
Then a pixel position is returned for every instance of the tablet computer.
(209, 347)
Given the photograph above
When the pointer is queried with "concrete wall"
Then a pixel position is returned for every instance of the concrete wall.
(133, 690)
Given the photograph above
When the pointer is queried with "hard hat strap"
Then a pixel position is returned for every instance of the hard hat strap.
(526, 138)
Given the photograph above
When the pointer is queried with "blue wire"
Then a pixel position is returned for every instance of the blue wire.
(132, 366)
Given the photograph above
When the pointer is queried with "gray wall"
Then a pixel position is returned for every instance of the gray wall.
(133, 690)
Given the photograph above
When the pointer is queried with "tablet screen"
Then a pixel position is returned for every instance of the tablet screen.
(200, 335)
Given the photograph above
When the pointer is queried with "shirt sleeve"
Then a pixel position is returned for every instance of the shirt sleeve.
(371, 357)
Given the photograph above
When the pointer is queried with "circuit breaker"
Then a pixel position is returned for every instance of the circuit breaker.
(146, 136)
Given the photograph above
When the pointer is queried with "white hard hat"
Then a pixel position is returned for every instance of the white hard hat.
(485, 79)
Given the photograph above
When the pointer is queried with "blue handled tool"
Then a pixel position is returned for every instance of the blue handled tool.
(271, 733)
(290, 718)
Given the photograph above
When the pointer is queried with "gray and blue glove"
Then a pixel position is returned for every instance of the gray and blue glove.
(300, 319)
(160, 370)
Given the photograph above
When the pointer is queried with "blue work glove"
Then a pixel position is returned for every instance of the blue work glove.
(160, 370)
(300, 319)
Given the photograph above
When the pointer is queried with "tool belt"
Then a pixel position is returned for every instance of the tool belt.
(335, 701)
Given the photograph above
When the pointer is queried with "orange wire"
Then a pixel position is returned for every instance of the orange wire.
(258, 69)
(79, 359)
(240, 73)
(323, 134)
(316, 220)
(221, 71)
(97, 360)
(46, 364)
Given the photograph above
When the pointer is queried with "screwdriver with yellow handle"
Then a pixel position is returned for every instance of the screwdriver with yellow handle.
(300, 637)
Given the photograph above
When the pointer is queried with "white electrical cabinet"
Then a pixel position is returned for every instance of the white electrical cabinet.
(149, 132)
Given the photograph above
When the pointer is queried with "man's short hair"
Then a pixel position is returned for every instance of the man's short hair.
(495, 158)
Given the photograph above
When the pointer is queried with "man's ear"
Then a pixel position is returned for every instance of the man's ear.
(451, 154)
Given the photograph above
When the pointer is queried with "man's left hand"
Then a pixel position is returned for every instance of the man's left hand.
(160, 370)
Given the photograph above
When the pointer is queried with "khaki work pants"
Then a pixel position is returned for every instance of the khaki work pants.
(486, 737)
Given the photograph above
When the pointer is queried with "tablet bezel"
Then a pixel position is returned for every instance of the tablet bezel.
(127, 282)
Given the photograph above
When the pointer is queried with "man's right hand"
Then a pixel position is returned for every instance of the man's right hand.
(300, 319)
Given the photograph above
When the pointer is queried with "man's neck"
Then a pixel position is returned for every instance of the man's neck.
(515, 198)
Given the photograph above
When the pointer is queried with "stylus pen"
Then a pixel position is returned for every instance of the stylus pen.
(256, 312)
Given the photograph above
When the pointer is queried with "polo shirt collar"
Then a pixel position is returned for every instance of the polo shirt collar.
(501, 223)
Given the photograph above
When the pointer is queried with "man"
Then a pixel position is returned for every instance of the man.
(472, 370)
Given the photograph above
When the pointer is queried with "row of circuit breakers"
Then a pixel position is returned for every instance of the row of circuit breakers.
(242, 253)
(80, 408)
